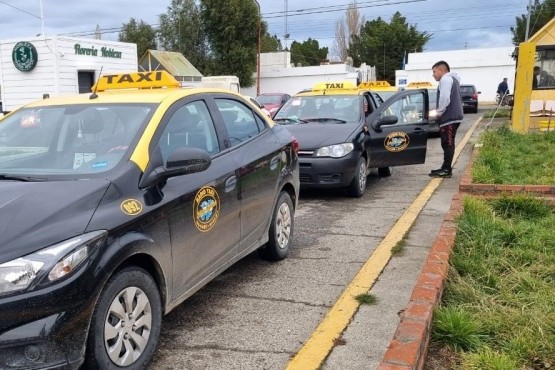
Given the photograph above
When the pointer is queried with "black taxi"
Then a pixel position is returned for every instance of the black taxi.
(344, 130)
(117, 205)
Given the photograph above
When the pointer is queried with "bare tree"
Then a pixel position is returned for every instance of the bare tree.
(345, 28)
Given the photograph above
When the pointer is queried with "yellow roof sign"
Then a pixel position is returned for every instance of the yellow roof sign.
(135, 80)
(419, 85)
(373, 84)
(334, 86)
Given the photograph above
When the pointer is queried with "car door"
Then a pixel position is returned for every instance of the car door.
(204, 208)
(398, 130)
(258, 153)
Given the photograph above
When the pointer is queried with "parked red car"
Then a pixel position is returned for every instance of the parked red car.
(272, 101)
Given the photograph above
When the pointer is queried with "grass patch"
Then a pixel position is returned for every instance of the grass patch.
(508, 157)
(501, 113)
(498, 306)
(399, 247)
(367, 299)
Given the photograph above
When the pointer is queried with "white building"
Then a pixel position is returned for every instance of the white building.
(37, 67)
(484, 68)
(278, 75)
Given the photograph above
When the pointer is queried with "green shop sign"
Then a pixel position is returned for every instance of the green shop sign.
(24, 56)
(103, 52)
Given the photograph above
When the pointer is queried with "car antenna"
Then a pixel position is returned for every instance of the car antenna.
(94, 95)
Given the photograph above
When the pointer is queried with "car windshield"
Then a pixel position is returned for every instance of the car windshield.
(268, 99)
(335, 109)
(74, 140)
(467, 89)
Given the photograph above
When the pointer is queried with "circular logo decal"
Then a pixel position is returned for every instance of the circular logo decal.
(24, 56)
(206, 208)
(131, 207)
(396, 141)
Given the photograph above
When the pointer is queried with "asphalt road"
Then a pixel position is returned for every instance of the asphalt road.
(257, 315)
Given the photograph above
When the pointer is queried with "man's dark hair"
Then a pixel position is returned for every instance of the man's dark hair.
(442, 63)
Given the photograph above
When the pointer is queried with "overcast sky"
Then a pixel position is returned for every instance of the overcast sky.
(453, 24)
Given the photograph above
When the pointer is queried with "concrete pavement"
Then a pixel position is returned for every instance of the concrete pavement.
(363, 342)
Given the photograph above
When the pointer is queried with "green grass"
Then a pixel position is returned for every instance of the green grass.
(507, 157)
(399, 247)
(498, 306)
(366, 299)
(501, 113)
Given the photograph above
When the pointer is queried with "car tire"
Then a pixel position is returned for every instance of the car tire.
(126, 291)
(357, 187)
(384, 171)
(281, 230)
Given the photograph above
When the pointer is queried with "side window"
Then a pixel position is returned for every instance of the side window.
(240, 121)
(408, 109)
(189, 126)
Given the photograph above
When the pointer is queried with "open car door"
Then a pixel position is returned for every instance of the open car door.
(398, 130)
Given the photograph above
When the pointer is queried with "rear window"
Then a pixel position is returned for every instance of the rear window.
(467, 89)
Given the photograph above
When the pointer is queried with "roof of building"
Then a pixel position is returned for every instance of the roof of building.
(173, 62)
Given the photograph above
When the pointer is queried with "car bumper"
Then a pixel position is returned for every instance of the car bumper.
(470, 104)
(325, 172)
(47, 328)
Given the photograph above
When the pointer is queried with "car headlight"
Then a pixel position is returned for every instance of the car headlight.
(432, 113)
(335, 151)
(53, 262)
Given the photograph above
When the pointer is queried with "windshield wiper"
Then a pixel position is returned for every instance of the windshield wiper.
(290, 120)
(20, 178)
(323, 119)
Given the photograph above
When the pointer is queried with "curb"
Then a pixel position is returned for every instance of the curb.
(408, 348)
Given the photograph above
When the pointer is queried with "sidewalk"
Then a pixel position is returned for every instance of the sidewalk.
(391, 334)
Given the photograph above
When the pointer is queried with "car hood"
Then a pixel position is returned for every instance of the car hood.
(270, 106)
(34, 215)
(317, 135)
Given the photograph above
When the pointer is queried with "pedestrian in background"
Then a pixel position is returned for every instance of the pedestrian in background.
(449, 114)
(503, 87)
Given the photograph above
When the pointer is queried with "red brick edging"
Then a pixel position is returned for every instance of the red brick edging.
(466, 185)
(408, 348)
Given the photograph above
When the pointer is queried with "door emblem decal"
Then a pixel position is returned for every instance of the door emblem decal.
(396, 141)
(131, 207)
(206, 208)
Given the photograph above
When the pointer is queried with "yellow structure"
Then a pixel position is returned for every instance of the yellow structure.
(534, 99)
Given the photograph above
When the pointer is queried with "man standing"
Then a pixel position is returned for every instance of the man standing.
(503, 87)
(449, 114)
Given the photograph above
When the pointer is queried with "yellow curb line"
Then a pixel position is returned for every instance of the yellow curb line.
(321, 342)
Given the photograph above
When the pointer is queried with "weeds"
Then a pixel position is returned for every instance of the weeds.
(507, 157)
(498, 306)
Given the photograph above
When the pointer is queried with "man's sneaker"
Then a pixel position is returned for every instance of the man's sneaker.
(441, 173)
(436, 171)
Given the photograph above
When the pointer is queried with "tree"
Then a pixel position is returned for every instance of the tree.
(347, 26)
(139, 33)
(231, 27)
(384, 45)
(540, 14)
(181, 30)
(308, 53)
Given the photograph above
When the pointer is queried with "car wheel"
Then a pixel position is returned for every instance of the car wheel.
(126, 322)
(475, 110)
(357, 187)
(384, 171)
(281, 230)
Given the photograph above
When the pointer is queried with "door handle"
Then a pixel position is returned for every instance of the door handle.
(419, 131)
(274, 162)
(230, 184)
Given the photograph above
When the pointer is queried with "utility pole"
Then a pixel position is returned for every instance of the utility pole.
(528, 20)
(259, 46)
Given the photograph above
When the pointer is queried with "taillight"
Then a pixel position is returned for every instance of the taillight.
(295, 143)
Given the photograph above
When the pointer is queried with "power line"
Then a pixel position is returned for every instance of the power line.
(21, 10)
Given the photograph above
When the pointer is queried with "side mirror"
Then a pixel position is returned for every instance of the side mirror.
(182, 161)
(385, 120)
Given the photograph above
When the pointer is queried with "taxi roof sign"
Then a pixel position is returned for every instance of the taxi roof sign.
(420, 84)
(342, 85)
(374, 84)
(136, 80)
